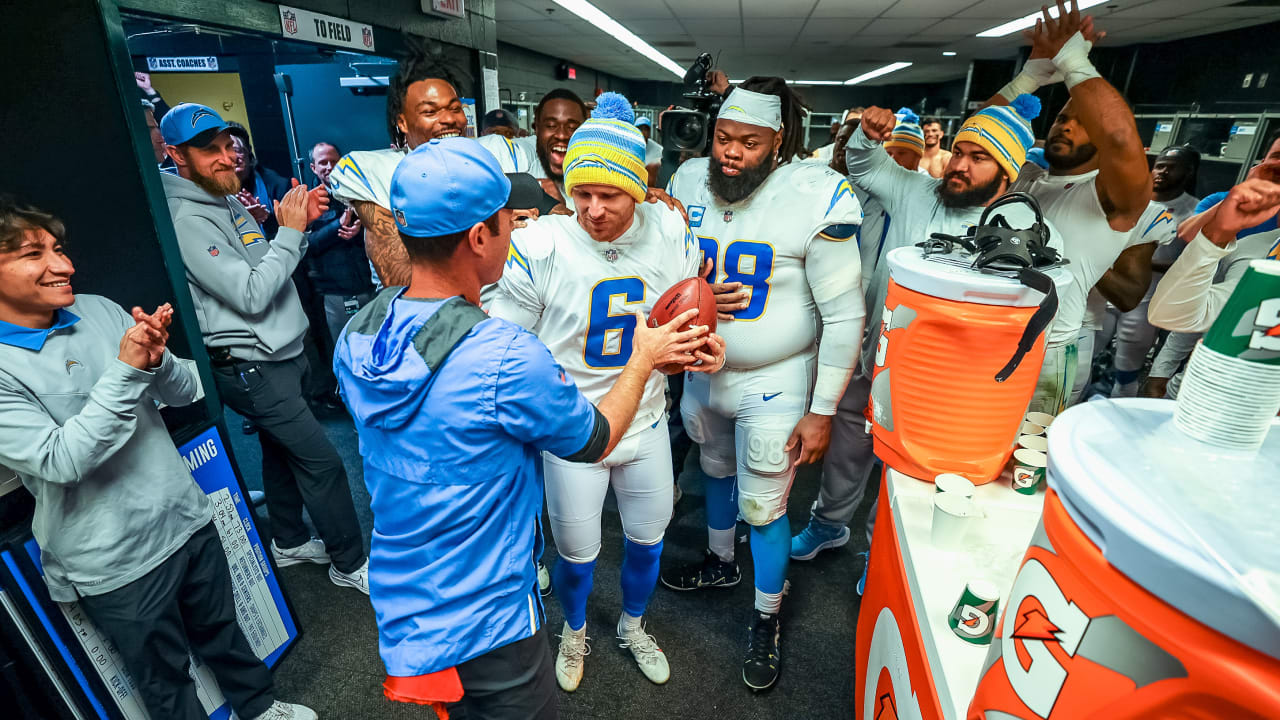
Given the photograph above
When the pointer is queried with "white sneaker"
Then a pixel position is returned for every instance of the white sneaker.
(287, 711)
(311, 551)
(644, 648)
(571, 657)
(358, 578)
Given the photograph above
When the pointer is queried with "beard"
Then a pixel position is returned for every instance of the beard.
(221, 184)
(546, 164)
(1076, 157)
(973, 197)
(740, 187)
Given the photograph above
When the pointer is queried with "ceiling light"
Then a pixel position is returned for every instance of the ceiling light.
(949, 53)
(891, 67)
(601, 20)
(1030, 20)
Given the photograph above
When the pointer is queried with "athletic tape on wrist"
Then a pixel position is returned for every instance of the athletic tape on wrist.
(1073, 61)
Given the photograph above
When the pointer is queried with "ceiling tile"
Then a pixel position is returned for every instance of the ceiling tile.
(833, 26)
(777, 8)
(884, 26)
(711, 27)
(622, 10)
(702, 9)
(851, 8)
(775, 27)
(927, 8)
(514, 10)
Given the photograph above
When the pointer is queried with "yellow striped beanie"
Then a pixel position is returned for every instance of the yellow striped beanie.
(608, 149)
(1004, 131)
(907, 133)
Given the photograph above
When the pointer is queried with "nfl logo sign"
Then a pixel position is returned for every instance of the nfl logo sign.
(728, 216)
(290, 22)
(213, 251)
(611, 255)
(368, 37)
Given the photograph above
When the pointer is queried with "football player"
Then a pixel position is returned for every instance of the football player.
(422, 104)
(577, 282)
(776, 238)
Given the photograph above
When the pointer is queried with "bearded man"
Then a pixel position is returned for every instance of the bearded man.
(253, 326)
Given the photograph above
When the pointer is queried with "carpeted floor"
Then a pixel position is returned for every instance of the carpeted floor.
(334, 667)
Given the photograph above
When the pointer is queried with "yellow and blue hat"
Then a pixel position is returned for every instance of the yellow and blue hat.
(608, 149)
(907, 133)
(1004, 131)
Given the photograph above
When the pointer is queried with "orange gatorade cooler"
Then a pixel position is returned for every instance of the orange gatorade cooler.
(1150, 587)
(956, 365)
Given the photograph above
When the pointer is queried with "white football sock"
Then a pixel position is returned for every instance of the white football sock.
(720, 542)
(627, 622)
(769, 603)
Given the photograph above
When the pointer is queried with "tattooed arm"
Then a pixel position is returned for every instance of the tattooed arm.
(382, 244)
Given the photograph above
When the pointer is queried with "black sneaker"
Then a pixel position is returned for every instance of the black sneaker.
(764, 656)
(711, 572)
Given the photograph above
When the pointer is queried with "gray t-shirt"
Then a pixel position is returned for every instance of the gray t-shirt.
(80, 428)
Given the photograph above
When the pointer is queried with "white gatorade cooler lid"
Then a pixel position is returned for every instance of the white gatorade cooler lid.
(1193, 524)
(953, 277)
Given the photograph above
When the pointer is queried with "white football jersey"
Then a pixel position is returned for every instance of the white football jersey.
(1157, 225)
(763, 242)
(365, 175)
(579, 295)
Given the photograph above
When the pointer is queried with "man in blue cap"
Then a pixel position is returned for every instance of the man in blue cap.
(253, 326)
(652, 150)
(453, 409)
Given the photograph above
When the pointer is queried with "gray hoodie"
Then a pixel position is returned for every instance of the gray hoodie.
(242, 287)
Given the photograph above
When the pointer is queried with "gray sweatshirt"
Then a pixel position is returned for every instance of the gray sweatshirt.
(242, 286)
(114, 498)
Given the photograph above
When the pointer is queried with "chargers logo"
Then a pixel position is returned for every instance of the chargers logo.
(201, 113)
(250, 234)
(844, 189)
(515, 258)
(695, 215)
(73, 363)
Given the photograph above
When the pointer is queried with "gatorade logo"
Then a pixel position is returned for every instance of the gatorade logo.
(973, 622)
(888, 694)
(1047, 632)
(1266, 327)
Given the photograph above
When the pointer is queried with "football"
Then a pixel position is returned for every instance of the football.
(689, 294)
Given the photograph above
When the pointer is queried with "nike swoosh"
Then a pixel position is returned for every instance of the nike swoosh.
(767, 398)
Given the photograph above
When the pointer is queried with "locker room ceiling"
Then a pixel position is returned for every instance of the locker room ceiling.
(839, 39)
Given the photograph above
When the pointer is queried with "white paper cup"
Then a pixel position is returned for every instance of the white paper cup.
(1042, 419)
(955, 484)
(1038, 443)
(952, 516)
(1030, 428)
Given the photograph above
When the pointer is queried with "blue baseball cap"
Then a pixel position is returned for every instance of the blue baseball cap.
(643, 122)
(446, 185)
(191, 123)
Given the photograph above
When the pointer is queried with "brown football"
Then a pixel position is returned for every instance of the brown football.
(689, 294)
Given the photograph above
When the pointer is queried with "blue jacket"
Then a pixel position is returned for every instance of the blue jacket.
(451, 449)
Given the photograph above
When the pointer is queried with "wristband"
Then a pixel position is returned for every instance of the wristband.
(1035, 74)
(1073, 61)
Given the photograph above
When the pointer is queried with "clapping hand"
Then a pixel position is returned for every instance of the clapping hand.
(1050, 34)
(349, 227)
(259, 211)
(143, 344)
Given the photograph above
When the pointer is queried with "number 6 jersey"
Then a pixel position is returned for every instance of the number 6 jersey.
(793, 245)
(579, 296)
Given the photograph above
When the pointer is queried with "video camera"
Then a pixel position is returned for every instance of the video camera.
(686, 130)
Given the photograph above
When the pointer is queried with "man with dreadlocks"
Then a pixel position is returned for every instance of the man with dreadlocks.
(422, 104)
(774, 235)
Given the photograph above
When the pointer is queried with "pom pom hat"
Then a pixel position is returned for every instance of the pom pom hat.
(1004, 131)
(608, 149)
(907, 133)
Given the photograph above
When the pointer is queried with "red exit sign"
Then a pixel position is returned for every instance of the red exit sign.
(449, 8)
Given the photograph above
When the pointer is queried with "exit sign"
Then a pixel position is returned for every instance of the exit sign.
(448, 8)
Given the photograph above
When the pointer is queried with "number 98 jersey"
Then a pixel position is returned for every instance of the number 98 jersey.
(762, 242)
(579, 296)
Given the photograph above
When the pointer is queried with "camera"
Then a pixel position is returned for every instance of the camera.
(688, 130)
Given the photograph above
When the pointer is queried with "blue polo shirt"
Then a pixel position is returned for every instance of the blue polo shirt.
(452, 446)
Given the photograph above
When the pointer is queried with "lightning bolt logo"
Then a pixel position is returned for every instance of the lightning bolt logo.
(1035, 625)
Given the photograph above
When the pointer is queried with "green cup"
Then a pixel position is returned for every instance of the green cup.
(1028, 470)
(1248, 327)
(973, 619)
